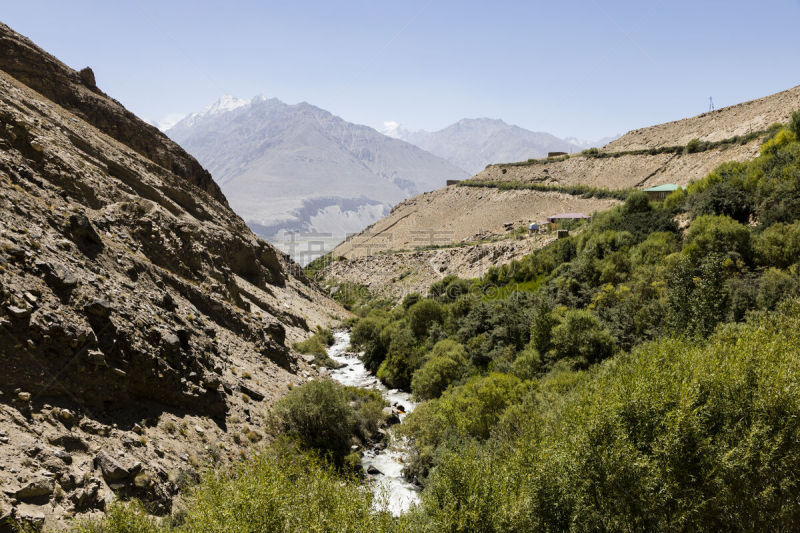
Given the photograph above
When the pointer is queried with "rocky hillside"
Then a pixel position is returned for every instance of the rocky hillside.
(676, 152)
(78, 93)
(397, 274)
(144, 330)
(300, 168)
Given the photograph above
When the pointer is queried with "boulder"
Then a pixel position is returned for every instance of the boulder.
(18, 312)
(87, 77)
(391, 416)
(70, 442)
(100, 308)
(38, 488)
(111, 469)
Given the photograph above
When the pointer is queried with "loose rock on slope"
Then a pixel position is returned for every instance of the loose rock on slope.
(134, 304)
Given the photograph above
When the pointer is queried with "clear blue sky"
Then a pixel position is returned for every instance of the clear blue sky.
(582, 68)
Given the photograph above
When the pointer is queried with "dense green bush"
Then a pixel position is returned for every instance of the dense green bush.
(403, 355)
(673, 436)
(449, 289)
(366, 337)
(328, 417)
(444, 365)
(468, 411)
(580, 337)
(778, 245)
(423, 314)
(717, 234)
(282, 489)
(722, 199)
(794, 124)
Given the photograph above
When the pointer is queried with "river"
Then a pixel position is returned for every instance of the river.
(394, 493)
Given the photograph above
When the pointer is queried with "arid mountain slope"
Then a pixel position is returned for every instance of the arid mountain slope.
(460, 215)
(300, 168)
(143, 327)
(457, 213)
(739, 119)
(398, 274)
(624, 171)
(78, 93)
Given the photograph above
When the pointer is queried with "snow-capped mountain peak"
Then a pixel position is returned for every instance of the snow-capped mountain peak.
(393, 129)
(224, 104)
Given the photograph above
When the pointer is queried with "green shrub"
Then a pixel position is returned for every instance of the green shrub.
(717, 234)
(693, 146)
(444, 365)
(411, 299)
(366, 336)
(423, 314)
(449, 289)
(318, 345)
(283, 489)
(581, 338)
(722, 199)
(794, 124)
(528, 364)
(319, 416)
(778, 245)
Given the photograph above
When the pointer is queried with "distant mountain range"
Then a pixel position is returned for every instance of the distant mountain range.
(473, 143)
(300, 168)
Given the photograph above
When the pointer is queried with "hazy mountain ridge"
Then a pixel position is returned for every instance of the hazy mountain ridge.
(473, 143)
(274, 160)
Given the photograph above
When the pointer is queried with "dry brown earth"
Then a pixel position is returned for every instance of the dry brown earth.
(396, 275)
(724, 123)
(144, 330)
(461, 214)
(637, 171)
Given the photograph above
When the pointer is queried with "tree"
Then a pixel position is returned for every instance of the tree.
(422, 314)
(718, 234)
(582, 338)
(444, 365)
(318, 415)
(722, 199)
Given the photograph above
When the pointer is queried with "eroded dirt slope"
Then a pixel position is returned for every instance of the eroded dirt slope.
(624, 171)
(399, 274)
(144, 330)
(739, 119)
(458, 214)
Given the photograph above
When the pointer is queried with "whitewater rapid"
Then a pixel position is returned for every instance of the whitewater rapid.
(393, 492)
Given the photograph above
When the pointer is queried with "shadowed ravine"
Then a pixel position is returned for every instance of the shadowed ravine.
(389, 485)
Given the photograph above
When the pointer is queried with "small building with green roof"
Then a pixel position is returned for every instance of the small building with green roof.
(660, 192)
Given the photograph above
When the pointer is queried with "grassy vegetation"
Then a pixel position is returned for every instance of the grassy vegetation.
(582, 191)
(317, 345)
(284, 488)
